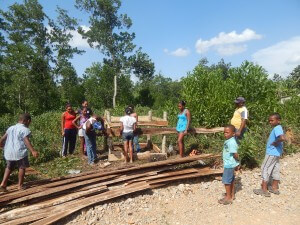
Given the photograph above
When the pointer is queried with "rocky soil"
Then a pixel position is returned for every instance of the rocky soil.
(196, 202)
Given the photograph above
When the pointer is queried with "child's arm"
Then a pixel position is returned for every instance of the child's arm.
(2, 140)
(243, 125)
(280, 139)
(188, 114)
(74, 122)
(236, 156)
(29, 146)
(62, 124)
(121, 128)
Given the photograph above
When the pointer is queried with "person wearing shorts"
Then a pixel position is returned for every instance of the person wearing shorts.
(128, 126)
(16, 142)
(271, 167)
(82, 118)
(230, 162)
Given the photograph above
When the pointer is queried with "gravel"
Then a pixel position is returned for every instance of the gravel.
(196, 202)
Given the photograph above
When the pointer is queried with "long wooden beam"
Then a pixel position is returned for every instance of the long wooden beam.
(115, 132)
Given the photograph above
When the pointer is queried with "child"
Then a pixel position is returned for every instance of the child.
(89, 132)
(270, 166)
(183, 124)
(135, 143)
(17, 141)
(85, 104)
(68, 131)
(230, 157)
(128, 126)
(83, 117)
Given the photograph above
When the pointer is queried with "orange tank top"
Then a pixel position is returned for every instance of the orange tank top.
(68, 120)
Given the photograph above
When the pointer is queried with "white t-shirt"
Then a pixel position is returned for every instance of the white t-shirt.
(128, 122)
(92, 121)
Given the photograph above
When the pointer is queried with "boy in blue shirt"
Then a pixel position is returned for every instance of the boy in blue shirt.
(270, 166)
(17, 142)
(230, 161)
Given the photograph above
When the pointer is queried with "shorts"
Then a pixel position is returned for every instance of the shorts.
(127, 136)
(20, 164)
(80, 133)
(228, 176)
(270, 168)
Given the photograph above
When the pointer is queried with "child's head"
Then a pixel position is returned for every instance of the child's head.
(181, 105)
(97, 117)
(239, 102)
(128, 111)
(84, 103)
(69, 108)
(274, 119)
(131, 106)
(229, 131)
(84, 111)
(25, 119)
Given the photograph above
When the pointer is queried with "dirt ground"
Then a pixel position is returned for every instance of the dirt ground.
(196, 202)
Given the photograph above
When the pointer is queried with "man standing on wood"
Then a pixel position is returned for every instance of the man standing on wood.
(240, 117)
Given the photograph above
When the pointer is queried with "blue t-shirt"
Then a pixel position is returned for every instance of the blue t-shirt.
(274, 135)
(15, 148)
(230, 147)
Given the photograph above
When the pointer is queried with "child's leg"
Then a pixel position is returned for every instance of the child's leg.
(130, 151)
(228, 189)
(126, 151)
(276, 175)
(65, 143)
(94, 148)
(5, 177)
(181, 143)
(82, 145)
(232, 187)
(21, 177)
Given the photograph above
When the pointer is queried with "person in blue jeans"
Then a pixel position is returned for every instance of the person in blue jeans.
(89, 128)
(230, 161)
(183, 124)
(135, 145)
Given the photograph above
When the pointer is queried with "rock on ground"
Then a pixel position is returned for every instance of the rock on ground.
(196, 202)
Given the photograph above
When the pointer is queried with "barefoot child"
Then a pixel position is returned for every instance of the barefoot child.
(82, 118)
(270, 166)
(230, 157)
(128, 125)
(17, 142)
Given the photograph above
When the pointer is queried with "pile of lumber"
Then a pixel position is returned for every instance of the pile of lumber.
(49, 201)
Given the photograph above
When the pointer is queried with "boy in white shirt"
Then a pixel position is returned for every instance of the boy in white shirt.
(128, 125)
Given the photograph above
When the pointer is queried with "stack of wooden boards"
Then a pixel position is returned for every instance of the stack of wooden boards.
(48, 201)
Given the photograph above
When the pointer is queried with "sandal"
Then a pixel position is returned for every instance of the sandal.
(276, 192)
(3, 189)
(261, 192)
(225, 201)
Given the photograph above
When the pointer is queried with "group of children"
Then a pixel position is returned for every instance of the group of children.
(16, 142)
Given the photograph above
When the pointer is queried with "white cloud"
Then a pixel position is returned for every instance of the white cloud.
(179, 52)
(280, 58)
(224, 43)
(77, 40)
(231, 49)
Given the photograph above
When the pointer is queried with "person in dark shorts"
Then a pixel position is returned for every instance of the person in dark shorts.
(230, 161)
(128, 126)
(16, 142)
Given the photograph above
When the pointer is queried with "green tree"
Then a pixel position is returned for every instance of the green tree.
(109, 33)
(69, 84)
(29, 83)
(295, 76)
(98, 80)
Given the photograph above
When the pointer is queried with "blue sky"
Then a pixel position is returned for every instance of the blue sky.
(177, 34)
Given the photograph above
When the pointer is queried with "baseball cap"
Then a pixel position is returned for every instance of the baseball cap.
(239, 100)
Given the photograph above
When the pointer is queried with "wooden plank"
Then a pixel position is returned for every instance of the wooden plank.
(142, 123)
(115, 132)
(31, 209)
(200, 173)
(156, 148)
(80, 204)
(57, 190)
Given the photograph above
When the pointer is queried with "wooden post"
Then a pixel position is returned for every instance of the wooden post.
(105, 145)
(109, 139)
(149, 144)
(164, 139)
(108, 118)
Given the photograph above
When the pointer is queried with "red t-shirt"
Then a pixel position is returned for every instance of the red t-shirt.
(68, 120)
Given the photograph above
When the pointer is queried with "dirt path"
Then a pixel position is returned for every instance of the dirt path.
(195, 202)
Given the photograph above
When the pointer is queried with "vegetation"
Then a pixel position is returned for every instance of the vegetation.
(36, 76)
